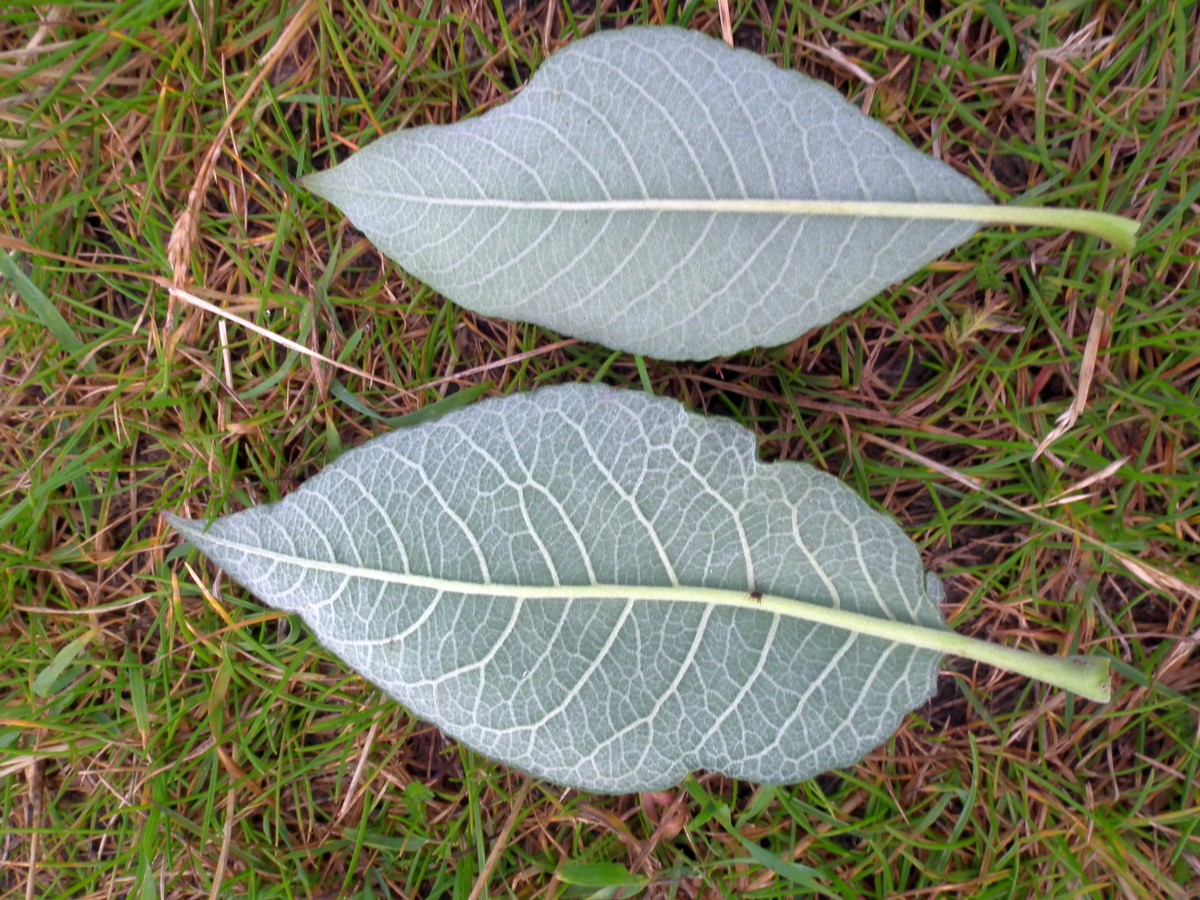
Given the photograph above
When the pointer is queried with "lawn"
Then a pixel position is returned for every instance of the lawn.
(186, 329)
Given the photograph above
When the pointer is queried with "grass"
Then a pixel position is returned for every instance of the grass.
(162, 734)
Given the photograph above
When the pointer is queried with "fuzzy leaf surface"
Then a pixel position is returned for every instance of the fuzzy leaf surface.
(568, 205)
(567, 581)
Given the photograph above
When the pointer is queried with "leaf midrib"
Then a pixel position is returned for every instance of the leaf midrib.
(779, 605)
(1085, 675)
(729, 205)
(1117, 230)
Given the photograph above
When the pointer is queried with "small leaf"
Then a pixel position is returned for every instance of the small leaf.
(608, 591)
(46, 682)
(659, 192)
(599, 875)
(965, 329)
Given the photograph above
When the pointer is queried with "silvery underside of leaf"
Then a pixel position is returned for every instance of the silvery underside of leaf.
(619, 198)
(569, 581)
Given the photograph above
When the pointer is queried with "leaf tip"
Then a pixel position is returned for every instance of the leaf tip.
(185, 527)
(312, 183)
(324, 183)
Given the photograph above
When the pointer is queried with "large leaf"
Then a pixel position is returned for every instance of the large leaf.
(569, 581)
(656, 191)
(511, 214)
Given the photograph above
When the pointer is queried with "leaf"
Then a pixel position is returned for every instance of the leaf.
(569, 581)
(47, 681)
(613, 879)
(659, 192)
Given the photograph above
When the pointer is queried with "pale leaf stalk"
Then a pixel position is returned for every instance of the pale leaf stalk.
(1086, 676)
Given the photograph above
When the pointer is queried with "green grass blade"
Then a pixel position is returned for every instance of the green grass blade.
(42, 307)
